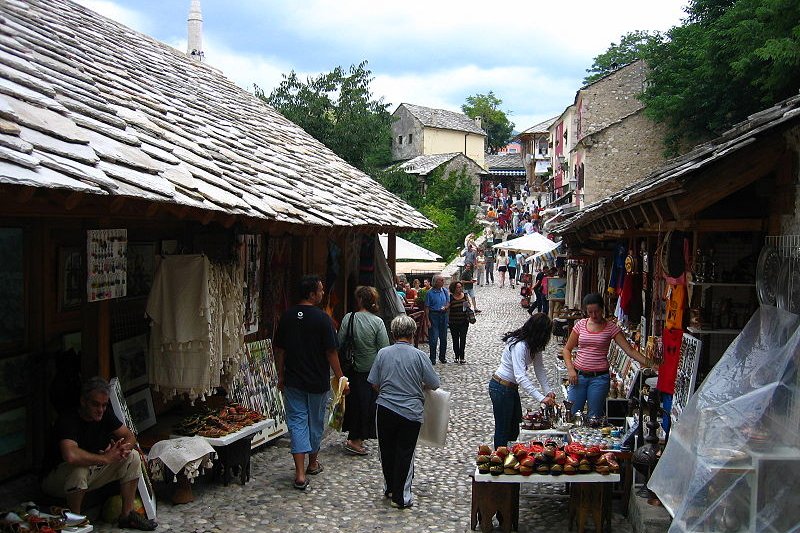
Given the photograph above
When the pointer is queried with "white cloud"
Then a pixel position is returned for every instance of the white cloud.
(129, 17)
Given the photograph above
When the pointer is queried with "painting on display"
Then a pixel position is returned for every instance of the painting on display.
(255, 385)
(107, 261)
(70, 278)
(120, 407)
(556, 288)
(141, 268)
(13, 430)
(12, 287)
(130, 361)
(140, 406)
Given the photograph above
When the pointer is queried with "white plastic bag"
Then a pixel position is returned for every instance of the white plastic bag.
(433, 432)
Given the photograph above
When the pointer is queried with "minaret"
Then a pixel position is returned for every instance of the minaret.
(195, 46)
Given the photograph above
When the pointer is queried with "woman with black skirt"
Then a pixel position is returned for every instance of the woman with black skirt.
(369, 336)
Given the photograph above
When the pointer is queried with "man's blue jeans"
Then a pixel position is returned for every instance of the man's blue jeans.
(507, 410)
(437, 332)
(591, 389)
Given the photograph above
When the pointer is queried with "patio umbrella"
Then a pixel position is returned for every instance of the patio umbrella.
(408, 250)
(535, 242)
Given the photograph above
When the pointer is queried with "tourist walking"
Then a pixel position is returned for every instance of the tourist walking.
(587, 369)
(488, 254)
(400, 373)
(523, 347)
(458, 319)
(368, 336)
(468, 280)
(512, 267)
(502, 267)
(437, 300)
(305, 354)
(480, 267)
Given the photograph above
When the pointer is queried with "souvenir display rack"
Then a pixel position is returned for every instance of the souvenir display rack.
(686, 378)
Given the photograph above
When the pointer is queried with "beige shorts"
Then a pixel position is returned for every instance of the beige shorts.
(67, 478)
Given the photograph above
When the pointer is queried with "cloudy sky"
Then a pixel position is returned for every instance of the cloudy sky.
(435, 53)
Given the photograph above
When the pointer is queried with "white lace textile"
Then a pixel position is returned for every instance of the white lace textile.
(189, 455)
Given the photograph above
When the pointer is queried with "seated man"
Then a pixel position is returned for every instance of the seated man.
(92, 448)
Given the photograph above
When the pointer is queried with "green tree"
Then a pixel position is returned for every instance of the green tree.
(338, 110)
(729, 59)
(494, 120)
(632, 46)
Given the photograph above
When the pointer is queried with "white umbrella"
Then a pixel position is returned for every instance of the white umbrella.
(407, 250)
(534, 242)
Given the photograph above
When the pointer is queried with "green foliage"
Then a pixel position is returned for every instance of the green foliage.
(728, 60)
(338, 110)
(632, 46)
(446, 202)
(495, 121)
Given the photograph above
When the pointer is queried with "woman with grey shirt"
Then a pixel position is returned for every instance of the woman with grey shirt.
(399, 374)
(369, 336)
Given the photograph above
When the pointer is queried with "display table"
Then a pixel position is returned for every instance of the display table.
(233, 452)
(185, 458)
(499, 495)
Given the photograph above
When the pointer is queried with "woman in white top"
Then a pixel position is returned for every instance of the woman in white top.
(524, 347)
(502, 267)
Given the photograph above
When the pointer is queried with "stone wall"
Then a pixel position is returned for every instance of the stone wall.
(404, 126)
(611, 98)
(620, 155)
(474, 171)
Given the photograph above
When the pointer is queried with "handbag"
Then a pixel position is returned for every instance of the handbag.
(347, 348)
(470, 315)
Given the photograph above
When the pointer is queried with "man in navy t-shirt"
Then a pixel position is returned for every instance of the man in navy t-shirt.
(305, 352)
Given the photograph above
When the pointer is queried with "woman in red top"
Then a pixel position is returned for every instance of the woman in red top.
(588, 368)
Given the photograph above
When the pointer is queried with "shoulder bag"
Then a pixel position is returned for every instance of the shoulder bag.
(347, 348)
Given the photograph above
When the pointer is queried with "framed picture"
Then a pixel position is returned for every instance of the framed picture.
(141, 266)
(140, 407)
(556, 288)
(130, 361)
(70, 278)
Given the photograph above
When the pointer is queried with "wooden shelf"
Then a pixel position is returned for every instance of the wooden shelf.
(698, 331)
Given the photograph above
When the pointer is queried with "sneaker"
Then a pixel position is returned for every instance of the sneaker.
(402, 506)
(136, 521)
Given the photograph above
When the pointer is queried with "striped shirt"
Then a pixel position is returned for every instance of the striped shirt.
(592, 353)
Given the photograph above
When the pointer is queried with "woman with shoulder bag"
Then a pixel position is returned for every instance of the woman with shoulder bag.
(461, 314)
(368, 336)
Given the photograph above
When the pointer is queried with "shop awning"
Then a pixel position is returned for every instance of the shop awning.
(408, 250)
(535, 242)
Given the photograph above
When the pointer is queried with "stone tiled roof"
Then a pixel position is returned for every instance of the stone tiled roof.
(91, 106)
(423, 165)
(541, 127)
(444, 119)
(504, 161)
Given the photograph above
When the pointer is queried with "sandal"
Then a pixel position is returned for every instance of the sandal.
(136, 521)
(352, 450)
(301, 485)
(314, 471)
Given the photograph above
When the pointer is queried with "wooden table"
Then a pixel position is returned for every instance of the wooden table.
(499, 495)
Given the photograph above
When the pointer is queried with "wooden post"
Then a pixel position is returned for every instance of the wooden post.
(104, 339)
(391, 254)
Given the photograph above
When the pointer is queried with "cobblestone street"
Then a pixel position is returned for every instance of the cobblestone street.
(347, 496)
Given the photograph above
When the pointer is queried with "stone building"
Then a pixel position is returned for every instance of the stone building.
(419, 130)
(608, 143)
(535, 142)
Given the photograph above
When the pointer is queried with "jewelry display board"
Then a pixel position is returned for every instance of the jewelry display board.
(255, 386)
(107, 263)
(624, 367)
(120, 407)
(686, 378)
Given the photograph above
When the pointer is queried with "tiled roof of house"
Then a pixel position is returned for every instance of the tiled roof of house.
(423, 165)
(504, 161)
(444, 119)
(541, 127)
(90, 106)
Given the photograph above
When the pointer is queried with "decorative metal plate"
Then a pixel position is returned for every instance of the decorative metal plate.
(788, 289)
(767, 275)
